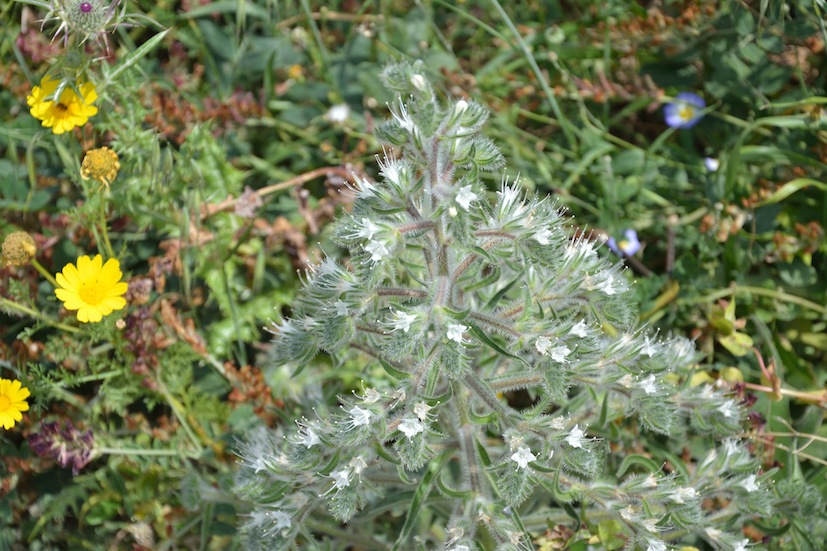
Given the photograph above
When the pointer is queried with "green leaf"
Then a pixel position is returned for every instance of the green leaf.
(392, 371)
(488, 342)
(649, 466)
(421, 494)
(791, 187)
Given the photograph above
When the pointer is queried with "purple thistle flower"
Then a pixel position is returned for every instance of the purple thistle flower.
(627, 246)
(684, 111)
(68, 446)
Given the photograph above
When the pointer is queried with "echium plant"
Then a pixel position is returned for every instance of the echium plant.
(519, 398)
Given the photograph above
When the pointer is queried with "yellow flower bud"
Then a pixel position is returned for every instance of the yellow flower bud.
(18, 249)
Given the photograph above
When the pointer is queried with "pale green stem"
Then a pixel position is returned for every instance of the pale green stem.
(147, 452)
(11, 305)
(49, 277)
(180, 414)
(104, 232)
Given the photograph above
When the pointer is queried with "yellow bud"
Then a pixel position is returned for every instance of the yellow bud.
(688, 548)
(732, 375)
(699, 378)
(18, 249)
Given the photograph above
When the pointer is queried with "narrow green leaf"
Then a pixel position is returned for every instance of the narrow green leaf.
(791, 187)
(421, 494)
(647, 464)
(501, 293)
(392, 371)
(488, 342)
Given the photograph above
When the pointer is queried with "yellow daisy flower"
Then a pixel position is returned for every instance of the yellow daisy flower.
(92, 288)
(69, 111)
(12, 402)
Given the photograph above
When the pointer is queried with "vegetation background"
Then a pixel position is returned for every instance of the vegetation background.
(237, 125)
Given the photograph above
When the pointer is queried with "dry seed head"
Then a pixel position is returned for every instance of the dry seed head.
(101, 165)
(18, 249)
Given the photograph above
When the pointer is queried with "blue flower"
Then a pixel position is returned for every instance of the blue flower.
(712, 164)
(684, 111)
(627, 246)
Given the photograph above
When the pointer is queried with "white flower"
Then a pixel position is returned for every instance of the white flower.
(648, 347)
(542, 236)
(559, 354)
(465, 197)
(728, 409)
(308, 437)
(648, 385)
(371, 396)
(390, 168)
(337, 114)
(460, 107)
(680, 495)
(655, 545)
(741, 545)
(452, 211)
(402, 117)
(651, 481)
(542, 345)
(377, 250)
(403, 321)
(367, 229)
(455, 331)
(358, 417)
(575, 437)
(509, 202)
(579, 329)
(607, 286)
(271, 522)
(358, 464)
(628, 514)
(730, 447)
(307, 434)
(749, 483)
(411, 427)
(341, 480)
(522, 457)
(711, 164)
(421, 410)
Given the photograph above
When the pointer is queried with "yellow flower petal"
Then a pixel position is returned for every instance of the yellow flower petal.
(110, 274)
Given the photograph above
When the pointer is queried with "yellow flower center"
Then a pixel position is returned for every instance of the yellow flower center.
(91, 294)
(623, 244)
(5, 403)
(686, 112)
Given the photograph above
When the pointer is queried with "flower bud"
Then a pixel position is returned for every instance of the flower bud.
(18, 249)
(419, 83)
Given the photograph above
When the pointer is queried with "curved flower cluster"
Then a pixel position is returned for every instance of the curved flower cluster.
(464, 299)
